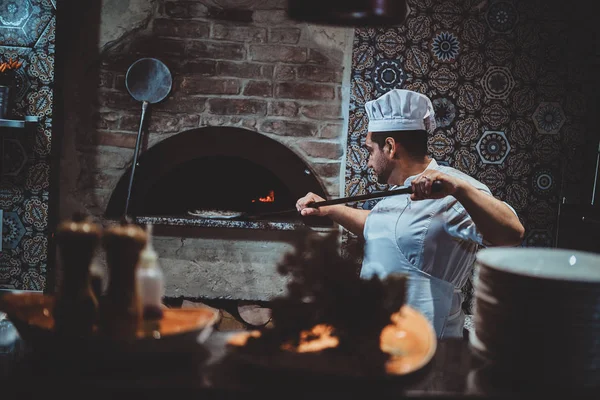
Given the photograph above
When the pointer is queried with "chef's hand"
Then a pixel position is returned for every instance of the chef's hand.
(422, 185)
(303, 202)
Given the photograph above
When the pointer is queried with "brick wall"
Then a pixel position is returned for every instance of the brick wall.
(250, 68)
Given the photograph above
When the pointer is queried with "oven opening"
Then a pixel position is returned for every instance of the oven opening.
(218, 169)
(219, 183)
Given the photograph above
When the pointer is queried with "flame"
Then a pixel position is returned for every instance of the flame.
(270, 198)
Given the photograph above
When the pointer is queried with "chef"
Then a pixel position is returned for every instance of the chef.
(432, 236)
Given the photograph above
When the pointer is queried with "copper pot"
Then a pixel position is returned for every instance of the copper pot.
(348, 12)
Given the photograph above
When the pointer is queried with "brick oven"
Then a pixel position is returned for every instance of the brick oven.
(258, 108)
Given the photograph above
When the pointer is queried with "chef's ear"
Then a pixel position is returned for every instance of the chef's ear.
(389, 144)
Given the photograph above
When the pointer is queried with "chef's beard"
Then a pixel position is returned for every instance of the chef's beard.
(382, 177)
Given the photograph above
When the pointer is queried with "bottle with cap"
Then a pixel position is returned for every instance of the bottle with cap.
(151, 280)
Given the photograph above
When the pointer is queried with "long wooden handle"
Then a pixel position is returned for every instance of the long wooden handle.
(435, 187)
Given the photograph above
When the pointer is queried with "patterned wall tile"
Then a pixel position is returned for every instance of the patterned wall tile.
(506, 107)
(12, 230)
(23, 22)
(27, 33)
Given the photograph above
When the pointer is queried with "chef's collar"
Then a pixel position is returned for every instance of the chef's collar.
(432, 165)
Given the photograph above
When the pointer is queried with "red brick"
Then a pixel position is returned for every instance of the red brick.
(131, 122)
(93, 179)
(177, 9)
(238, 33)
(107, 120)
(288, 128)
(115, 139)
(163, 123)
(216, 50)
(270, 17)
(237, 106)
(182, 29)
(200, 67)
(283, 108)
(322, 111)
(319, 149)
(181, 104)
(259, 89)
(332, 131)
(332, 57)
(286, 54)
(197, 9)
(284, 73)
(331, 170)
(106, 79)
(120, 82)
(160, 47)
(239, 69)
(191, 85)
(267, 70)
(118, 100)
(284, 35)
(305, 91)
(318, 74)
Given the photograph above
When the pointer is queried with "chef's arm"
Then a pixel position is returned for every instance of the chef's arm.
(498, 224)
(353, 219)
(350, 218)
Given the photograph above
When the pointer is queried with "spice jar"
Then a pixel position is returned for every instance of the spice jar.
(76, 306)
(120, 309)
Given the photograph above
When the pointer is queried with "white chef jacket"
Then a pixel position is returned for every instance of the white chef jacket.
(434, 242)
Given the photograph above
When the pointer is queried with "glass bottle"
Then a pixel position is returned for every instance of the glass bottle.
(151, 280)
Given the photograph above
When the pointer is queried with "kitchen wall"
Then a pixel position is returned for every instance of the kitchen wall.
(511, 83)
(234, 63)
(27, 33)
(512, 87)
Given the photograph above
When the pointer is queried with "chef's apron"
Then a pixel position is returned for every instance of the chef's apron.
(433, 297)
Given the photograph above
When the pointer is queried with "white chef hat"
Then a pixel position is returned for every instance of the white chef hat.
(400, 110)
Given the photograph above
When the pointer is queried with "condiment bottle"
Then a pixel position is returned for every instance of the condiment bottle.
(76, 305)
(120, 309)
(151, 280)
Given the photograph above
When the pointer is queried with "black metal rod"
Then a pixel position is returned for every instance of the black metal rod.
(135, 157)
(435, 187)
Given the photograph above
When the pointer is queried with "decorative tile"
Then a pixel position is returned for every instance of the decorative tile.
(23, 22)
(48, 37)
(548, 118)
(388, 75)
(445, 111)
(502, 17)
(41, 67)
(493, 147)
(445, 46)
(14, 157)
(40, 102)
(539, 238)
(38, 177)
(35, 249)
(440, 145)
(517, 195)
(466, 161)
(36, 213)
(10, 195)
(497, 82)
(12, 230)
(543, 181)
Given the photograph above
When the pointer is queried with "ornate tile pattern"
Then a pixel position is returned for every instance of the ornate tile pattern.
(496, 78)
(27, 32)
(507, 101)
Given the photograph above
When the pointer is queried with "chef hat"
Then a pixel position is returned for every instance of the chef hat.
(400, 110)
